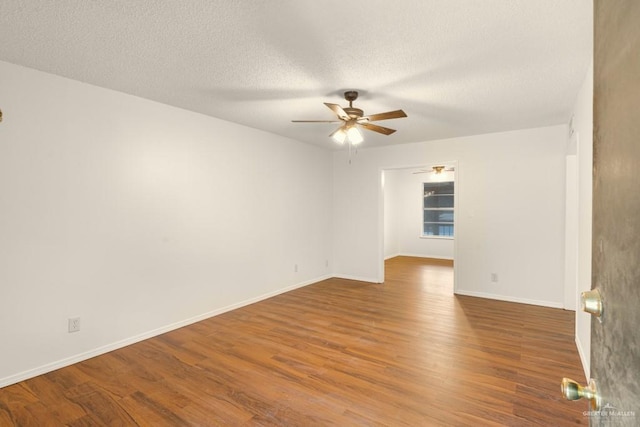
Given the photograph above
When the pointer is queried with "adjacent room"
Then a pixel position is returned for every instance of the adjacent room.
(294, 212)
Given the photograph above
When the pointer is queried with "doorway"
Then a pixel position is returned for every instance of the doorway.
(417, 214)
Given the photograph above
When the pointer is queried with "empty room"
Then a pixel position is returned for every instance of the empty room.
(319, 213)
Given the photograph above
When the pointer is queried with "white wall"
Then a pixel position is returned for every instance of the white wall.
(571, 232)
(403, 203)
(390, 195)
(583, 126)
(139, 217)
(509, 213)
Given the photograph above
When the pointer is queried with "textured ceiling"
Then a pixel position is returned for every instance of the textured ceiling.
(456, 67)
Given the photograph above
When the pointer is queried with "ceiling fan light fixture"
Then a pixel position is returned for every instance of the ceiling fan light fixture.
(355, 137)
(339, 136)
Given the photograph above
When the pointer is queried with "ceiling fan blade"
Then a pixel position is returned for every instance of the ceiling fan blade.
(415, 173)
(315, 121)
(376, 128)
(386, 116)
(338, 111)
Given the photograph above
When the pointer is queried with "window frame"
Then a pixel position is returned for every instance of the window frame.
(423, 208)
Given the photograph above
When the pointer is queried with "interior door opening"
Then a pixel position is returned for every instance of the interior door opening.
(417, 219)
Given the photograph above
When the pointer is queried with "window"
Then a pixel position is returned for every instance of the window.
(437, 219)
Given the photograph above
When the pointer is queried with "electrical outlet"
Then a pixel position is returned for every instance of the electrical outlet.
(326, 263)
(74, 324)
(494, 277)
(295, 268)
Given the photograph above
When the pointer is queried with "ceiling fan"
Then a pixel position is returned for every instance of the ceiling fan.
(436, 169)
(354, 117)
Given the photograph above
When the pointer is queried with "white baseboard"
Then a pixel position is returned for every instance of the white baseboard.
(425, 256)
(583, 358)
(357, 278)
(25, 375)
(509, 298)
(418, 256)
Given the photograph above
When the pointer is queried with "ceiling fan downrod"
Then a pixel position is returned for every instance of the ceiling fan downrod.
(354, 113)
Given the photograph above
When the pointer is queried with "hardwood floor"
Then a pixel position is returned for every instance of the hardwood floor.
(339, 352)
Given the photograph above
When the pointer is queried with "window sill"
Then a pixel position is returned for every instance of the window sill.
(437, 237)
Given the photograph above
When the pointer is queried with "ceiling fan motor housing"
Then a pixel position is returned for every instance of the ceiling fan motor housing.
(354, 113)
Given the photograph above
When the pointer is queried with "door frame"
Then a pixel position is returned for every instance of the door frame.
(457, 203)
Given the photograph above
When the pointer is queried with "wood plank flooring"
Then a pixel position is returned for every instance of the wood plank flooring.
(339, 352)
